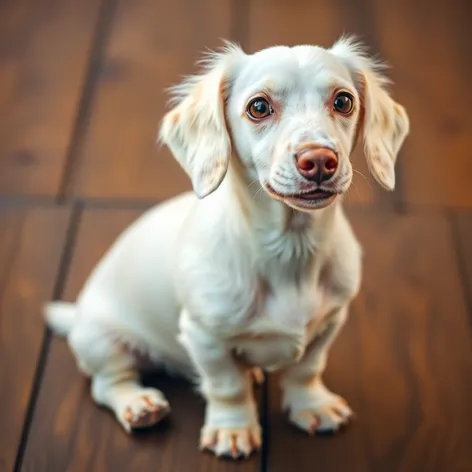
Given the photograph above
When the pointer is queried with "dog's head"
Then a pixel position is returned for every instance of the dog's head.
(292, 114)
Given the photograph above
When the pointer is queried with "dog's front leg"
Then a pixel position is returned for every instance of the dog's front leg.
(231, 424)
(311, 406)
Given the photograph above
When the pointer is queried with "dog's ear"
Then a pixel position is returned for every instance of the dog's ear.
(384, 122)
(195, 128)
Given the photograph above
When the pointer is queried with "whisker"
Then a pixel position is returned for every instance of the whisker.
(257, 193)
(361, 174)
(355, 188)
(252, 183)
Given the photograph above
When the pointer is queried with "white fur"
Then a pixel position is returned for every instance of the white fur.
(215, 282)
(61, 316)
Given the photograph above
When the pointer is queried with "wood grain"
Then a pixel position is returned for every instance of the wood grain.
(431, 66)
(462, 223)
(31, 242)
(152, 44)
(44, 48)
(69, 432)
(404, 361)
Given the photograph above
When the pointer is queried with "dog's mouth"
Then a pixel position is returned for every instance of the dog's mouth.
(312, 200)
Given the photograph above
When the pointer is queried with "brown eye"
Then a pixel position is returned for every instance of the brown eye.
(259, 108)
(343, 103)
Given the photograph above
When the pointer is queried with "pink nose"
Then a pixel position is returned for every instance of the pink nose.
(316, 164)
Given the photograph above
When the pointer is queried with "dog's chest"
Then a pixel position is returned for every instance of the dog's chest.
(278, 331)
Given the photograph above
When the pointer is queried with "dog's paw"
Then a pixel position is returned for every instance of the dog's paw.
(326, 417)
(231, 429)
(316, 410)
(141, 409)
(231, 442)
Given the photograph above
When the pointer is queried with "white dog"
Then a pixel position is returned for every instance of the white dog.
(256, 268)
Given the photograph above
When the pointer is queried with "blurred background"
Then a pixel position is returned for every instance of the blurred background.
(82, 91)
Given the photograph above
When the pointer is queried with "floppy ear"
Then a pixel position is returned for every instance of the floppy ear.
(384, 122)
(195, 128)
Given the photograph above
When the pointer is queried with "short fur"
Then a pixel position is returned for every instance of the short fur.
(242, 272)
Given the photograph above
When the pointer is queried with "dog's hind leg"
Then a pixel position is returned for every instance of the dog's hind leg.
(115, 377)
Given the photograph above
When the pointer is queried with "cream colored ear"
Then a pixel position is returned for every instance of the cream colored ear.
(385, 123)
(195, 129)
(385, 127)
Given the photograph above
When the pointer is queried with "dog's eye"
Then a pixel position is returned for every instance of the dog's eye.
(343, 103)
(259, 108)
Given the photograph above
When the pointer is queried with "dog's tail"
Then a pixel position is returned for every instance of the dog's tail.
(60, 317)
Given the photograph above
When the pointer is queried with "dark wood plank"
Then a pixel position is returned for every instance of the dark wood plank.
(404, 361)
(69, 432)
(320, 23)
(153, 43)
(44, 49)
(463, 226)
(431, 68)
(31, 242)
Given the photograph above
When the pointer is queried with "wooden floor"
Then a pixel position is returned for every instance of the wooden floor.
(81, 94)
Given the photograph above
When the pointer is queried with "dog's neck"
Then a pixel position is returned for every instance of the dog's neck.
(286, 239)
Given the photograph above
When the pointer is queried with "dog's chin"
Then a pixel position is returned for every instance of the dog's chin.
(309, 205)
(304, 201)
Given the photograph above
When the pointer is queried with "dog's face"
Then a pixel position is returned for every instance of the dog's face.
(293, 116)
